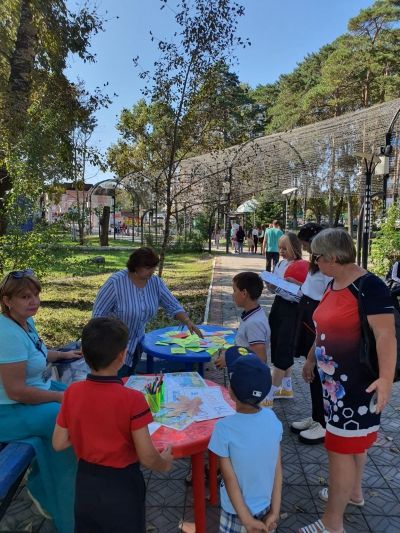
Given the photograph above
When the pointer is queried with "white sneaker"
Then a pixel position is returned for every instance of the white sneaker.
(301, 425)
(314, 435)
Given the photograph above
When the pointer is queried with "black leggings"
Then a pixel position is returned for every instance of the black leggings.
(109, 500)
(305, 337)
(255, 239)
(282, 321)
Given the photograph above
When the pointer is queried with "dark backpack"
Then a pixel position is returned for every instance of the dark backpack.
(368, 355)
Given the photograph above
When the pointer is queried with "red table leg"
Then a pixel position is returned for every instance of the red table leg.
(199, 493)
(212, 477)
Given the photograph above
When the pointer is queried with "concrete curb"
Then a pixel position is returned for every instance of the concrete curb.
(208, 302)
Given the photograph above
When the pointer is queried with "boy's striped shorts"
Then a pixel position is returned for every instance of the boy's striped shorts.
(230, 523)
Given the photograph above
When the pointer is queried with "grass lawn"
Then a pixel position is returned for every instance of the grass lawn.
(67, 300)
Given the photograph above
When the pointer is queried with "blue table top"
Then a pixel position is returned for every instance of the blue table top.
(164, 352)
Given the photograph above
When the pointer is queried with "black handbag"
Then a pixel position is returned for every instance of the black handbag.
(368, 356)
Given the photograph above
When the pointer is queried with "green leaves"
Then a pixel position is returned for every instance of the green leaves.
(386, 245)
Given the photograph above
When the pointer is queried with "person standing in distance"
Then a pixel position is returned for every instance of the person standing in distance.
(270, 245)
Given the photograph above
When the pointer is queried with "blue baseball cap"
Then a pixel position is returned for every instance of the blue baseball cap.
(250, 378)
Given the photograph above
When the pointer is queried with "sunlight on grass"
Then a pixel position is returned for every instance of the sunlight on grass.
(67, 300)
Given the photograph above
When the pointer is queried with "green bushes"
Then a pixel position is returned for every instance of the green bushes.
(385, 248)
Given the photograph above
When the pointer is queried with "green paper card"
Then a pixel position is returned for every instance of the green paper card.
(195, 349)
(212, 351)
(178, 350)
(180, 342)
(160, 343)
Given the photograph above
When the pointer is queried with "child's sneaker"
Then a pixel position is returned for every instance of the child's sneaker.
(284, 394)
(315, 434)
(301, 425)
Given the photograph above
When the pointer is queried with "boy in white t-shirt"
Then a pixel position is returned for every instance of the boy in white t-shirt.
(248, 445)
(253, 331)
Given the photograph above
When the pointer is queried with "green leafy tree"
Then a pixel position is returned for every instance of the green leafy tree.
(173, 122)
(386, 245)
(36, 100)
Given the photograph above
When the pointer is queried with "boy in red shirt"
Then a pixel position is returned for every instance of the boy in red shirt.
(106, 423)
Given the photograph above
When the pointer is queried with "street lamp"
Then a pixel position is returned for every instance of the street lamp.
(370, 161)
(288, 194)
(226, 189)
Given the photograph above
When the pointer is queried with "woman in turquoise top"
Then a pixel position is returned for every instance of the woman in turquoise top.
(30, 401)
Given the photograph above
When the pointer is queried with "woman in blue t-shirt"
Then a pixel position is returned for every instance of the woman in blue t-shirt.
(30, 401)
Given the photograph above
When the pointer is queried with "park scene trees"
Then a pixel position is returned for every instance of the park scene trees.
(199, 142)
(156, 157)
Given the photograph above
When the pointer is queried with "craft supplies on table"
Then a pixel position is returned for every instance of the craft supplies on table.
(187, 399)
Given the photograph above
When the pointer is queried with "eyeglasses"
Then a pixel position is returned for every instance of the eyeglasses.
(317, 257)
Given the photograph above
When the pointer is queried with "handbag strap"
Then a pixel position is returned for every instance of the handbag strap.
(365, 327)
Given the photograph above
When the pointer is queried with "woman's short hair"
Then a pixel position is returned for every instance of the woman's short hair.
(293, 244)
(142, 257)
(334, 243)
(13, 286)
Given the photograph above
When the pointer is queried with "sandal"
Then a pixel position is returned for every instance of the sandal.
(324, 493)
(315, 527)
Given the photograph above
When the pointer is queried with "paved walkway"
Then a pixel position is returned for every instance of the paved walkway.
(304, 468)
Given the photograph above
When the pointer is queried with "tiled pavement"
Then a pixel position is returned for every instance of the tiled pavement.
(169, 500)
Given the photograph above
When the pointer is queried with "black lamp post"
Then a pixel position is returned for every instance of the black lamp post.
(288, 195)
(370, 162)
(227, 190)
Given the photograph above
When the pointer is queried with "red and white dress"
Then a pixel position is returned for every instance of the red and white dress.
(352, 421)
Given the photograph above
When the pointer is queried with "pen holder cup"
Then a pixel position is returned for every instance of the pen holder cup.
(154, 401)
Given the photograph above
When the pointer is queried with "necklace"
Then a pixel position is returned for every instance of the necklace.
(38, 344)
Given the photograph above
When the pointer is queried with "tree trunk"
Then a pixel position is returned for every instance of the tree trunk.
(21, 67)
(5, 186)
(104, 223)
(349, 210)
(17, 102)
(166, 237)
(338, 212)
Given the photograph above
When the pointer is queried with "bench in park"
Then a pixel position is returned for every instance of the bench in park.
(15, 458)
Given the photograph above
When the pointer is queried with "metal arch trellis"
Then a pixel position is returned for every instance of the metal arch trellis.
(109, 187)
(319, 158)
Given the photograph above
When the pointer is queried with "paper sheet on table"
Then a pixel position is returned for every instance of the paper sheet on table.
(179, 422)
(179, 380)
(273, 279)
(178, 350)
(153, 426)
(213, 404)
(216, 333)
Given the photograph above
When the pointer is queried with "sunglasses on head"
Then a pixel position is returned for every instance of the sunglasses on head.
(17, 274)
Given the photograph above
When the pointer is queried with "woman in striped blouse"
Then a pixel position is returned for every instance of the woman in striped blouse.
(134, 295)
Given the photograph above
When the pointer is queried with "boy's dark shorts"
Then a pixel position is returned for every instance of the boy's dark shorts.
(109, 500)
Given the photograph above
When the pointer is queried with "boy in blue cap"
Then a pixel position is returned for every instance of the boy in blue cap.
(248, 445)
